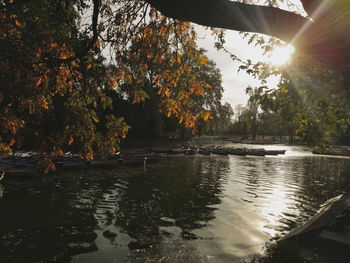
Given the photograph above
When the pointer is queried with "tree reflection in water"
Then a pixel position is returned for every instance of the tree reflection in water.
(183, 209)
(40, 223)
(163, 206)
(117, 215)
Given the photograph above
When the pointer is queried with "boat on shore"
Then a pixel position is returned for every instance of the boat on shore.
(24, 164)
(203, 151)
(274, 152)
(237, 151)
(139, 159)
(26, 168)
(219, 151)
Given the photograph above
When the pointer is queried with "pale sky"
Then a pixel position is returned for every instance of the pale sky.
(234, 82)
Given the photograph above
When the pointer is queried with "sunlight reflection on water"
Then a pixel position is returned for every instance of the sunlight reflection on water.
(183, 209)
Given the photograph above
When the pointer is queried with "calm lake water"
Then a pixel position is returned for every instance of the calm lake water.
(183, 209)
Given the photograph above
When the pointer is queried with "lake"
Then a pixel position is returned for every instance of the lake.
(182, 209)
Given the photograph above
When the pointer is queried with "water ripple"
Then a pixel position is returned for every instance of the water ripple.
(205, 208)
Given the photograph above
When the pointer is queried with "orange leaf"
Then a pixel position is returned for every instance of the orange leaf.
(89, 156)
(74, 64)
(178, 59)
(88, 66)
(181, 119)
(204, 60)
(38, 82)
(98, 44)
(208, 85)
(18, 23)
(160, 90)
(70, 141)
(167, 92)
(207, 115)
(12, 142)
(38, 54)
(112, 151)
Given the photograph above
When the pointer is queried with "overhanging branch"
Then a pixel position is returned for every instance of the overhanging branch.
(324, 40)
(234, 15)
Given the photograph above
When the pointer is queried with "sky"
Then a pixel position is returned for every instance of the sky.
(234, 82)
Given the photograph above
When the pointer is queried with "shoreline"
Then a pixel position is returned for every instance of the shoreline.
(142, 152)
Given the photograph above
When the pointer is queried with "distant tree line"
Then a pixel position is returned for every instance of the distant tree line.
(309, 105)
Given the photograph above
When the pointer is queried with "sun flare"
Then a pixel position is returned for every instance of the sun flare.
(281, 55)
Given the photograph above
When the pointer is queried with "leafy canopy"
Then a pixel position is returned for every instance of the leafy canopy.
(55, 78)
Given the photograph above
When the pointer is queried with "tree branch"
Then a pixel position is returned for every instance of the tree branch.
(324, 40)
(310, 6)
(95, 14)
(234, 15)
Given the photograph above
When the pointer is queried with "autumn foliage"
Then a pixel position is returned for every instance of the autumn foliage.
(58, 63)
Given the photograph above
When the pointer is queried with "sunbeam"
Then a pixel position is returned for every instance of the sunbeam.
(281, 55)
(314, 17)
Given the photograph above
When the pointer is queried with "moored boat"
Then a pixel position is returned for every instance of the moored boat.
(274, 152)
(178, 151)
(220, 151)
(139, 159)
(203, 151)
(237, 151)
(256, 152)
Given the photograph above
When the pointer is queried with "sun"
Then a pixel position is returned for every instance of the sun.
(281, 55)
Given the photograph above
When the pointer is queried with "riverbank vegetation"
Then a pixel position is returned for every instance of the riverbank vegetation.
(59, 92)
(309, 105)
(77, 75)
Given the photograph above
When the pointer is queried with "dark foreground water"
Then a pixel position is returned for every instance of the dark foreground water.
(183, 209)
